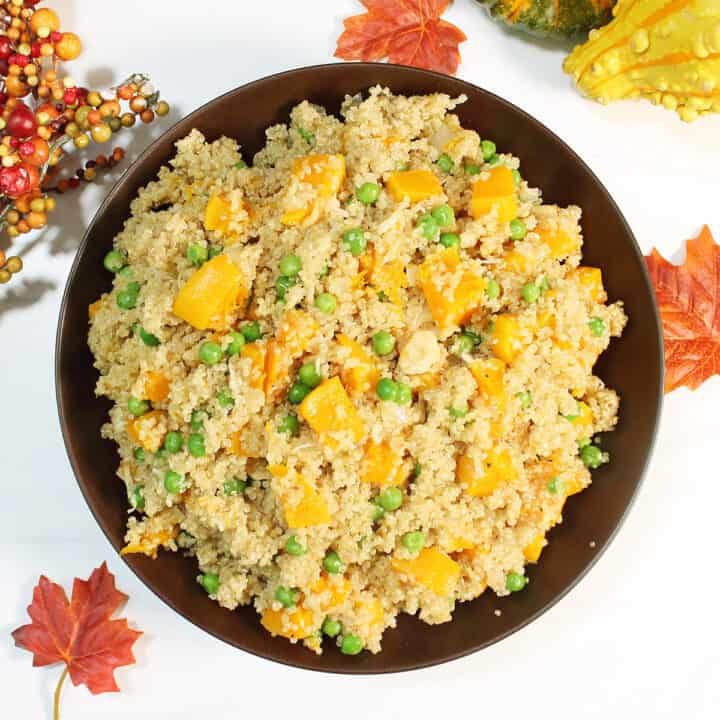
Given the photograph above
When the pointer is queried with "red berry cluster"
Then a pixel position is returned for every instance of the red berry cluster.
(43, 111)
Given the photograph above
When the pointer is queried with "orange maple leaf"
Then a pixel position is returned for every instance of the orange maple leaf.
(79, 632)
(688, 296)
(407, 32)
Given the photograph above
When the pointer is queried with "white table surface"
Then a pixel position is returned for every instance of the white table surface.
(639, 637)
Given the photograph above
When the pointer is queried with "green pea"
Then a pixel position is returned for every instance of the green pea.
(354, 240)
(290, 425)
(148, 338)
(530, 292)
(251, 331)
(458, 412)
(196, 444)
(444, 215)
(449, 239)
(404, 394)
(331, 627)
(136, 497)
(368, 193)
(139, 454)
(489, 149)
(127, 299)
(237, 342)
(463, 344)
(597, 326)
(282, 285)
(127, 272)
(592, 457)
(525, 398)
(428, 226)
(197, 418)
(332, 563)
(517, 178)
(351, 645)
(197, 254)
(306, 135)
(225, 398)
(114, 261)
(211, 583)
(515, 582)
(543, 284)
(445, 163)
(390, 499)
(137, 407)
(517, 229)
(210, 353)
(173, 442)
(386, 389)
(234, 486)
(240, 165)
(326, 303)
(555, 486)
(174, 482)
(492, 289)
(214, 251)
(290, 265)
(473, 169)
(309, 375)
(383, 342)
(287, 597)
(583, 442)
(297, 393)
(378, 513)
(413, 541)
(294, 547)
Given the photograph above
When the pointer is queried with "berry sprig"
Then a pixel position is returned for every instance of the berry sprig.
(44, 114)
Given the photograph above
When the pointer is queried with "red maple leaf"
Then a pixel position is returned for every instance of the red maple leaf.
(79, 633)
(688, 296)
(407, 32)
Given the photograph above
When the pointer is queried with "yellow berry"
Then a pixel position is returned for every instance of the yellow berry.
(81, 141)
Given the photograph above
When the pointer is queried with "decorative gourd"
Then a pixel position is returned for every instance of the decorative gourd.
(563, 18)
(666, 52)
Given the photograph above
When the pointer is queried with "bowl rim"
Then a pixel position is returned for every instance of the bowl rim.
(430, 75)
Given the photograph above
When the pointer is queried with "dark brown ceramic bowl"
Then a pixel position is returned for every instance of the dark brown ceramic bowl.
(633, 366)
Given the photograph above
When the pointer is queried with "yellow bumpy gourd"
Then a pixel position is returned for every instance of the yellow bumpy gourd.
(667, 51)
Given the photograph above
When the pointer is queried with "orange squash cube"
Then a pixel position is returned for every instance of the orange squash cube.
(211, 294)
(509, 337)
(156, 387)
(326, 173)
(328, 409)
(432, 569)
(293, 623)
(533, 550)
(381, 465)
(415, 185)
(489, 374)
(311, 509)
(360, 372)
(497, 192)
(331, 593)
(93, 309)
(257, 352)
(497, 467)
(591, 278)
(560, 243)
(148, 430)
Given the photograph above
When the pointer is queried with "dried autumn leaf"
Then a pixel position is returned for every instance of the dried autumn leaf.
(688, 296)
(407, 32)
(79, 632)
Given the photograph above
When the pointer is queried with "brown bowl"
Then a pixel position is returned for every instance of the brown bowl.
(632, 365)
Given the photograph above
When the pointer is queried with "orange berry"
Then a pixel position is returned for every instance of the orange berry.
(147, 116)
(15, 87)
(23, 226)
(68, 47)
(3, 257)
(110, 107)
(125, 92)
(36, 220)
(41, 154)
(47, 50)
(138, 103)
(13, 33)
(51, 76)
(94, 117)
(44, 17)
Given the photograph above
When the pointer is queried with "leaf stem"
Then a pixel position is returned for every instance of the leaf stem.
(56, 702)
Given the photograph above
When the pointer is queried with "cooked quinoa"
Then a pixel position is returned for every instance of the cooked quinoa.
(353, 378)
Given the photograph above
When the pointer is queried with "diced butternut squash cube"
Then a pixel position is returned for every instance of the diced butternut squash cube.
(302, 504)
(533, 550)
(489, 375)
(495, 193)
(328, 410)
(432, 569)
(156, 387)
(330, 592)
(292, 623)
(591, 278)
(324, 172)
(211, 294)
(381, 465)
(359, 372)
(295, 333)
(459, 543)
(584, 415)
(150, 543)
(452, 290)
(389, 278)
(296, 216)
(574, 484)
(509, 337)
(148, 430)
(561, 244)
(415, 185)
(497, 468)
(517, 262)
(218, 213)
(257, 352)
(93, 308)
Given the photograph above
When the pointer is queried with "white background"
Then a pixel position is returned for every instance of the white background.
(638, 638)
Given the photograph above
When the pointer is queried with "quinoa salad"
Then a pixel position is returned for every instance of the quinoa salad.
(354, 377)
